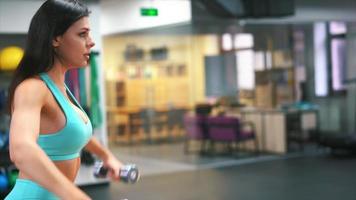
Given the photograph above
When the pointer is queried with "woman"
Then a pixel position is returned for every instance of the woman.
(48, 127)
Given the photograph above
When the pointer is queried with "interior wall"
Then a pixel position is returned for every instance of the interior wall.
(15, 15)
(182, 49)
(124, 15)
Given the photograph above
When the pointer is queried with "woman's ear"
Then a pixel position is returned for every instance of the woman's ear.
(56, 41)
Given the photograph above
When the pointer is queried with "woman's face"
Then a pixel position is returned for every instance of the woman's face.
(73, 47)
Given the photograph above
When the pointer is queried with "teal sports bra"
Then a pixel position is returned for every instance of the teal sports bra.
(67, 143)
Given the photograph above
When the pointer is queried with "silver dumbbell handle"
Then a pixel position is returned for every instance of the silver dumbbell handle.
(128, 173)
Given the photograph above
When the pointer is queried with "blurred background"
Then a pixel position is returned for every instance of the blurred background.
(212, 99)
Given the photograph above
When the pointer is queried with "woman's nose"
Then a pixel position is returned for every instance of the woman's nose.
(91, 42)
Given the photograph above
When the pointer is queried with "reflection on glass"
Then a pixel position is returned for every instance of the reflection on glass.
(227, 42)
(245, 69)
(338, 63)
(268, 60)
(259, 61)
(320, 60)
(243, 40)
(337, 28)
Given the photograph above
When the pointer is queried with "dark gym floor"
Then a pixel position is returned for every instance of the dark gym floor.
(317, 176)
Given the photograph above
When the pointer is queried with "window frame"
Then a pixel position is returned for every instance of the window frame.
(330, 38)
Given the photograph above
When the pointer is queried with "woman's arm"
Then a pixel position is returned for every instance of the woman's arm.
(106, 156)
(28, 157)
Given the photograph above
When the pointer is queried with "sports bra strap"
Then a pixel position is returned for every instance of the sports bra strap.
(54, 90)
(71, 96)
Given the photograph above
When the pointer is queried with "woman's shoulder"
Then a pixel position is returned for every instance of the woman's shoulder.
(31, 88)
(33, 83)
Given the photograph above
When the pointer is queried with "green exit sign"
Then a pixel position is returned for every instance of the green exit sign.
(149, 12)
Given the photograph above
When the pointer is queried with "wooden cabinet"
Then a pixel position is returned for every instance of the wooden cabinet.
(271, 127)
(148, 93)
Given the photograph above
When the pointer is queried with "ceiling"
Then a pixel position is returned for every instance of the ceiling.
(306, 12)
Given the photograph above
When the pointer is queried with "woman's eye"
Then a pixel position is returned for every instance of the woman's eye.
(82, 34)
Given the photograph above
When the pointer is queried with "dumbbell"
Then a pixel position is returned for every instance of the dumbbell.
(128, 173)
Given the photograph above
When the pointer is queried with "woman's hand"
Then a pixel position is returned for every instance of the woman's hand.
(109, 160)
(114, 166)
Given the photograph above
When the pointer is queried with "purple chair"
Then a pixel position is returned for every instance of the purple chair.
(195, 128)
(229, 129)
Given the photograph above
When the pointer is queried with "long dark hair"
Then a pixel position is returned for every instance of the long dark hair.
(52, 19)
